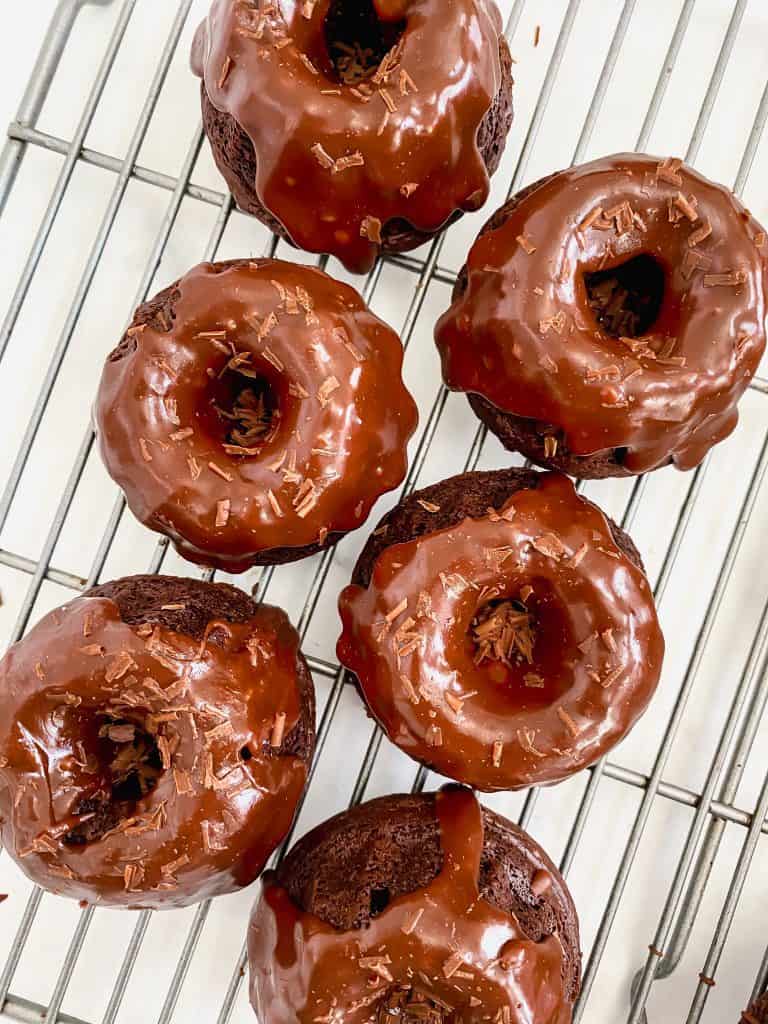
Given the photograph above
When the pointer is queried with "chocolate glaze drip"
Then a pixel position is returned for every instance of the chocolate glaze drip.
(85, 697)
(442, 948)
(339, 423)
(337, 160)
(411, 637)
(521, 332)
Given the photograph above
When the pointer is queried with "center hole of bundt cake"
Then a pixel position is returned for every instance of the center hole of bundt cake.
(626, 299)
(357, 40)
(247, 408)
(503, 631)
(127, 763)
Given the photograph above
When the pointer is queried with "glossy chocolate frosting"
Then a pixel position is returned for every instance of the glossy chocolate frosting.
(83, 691)
(336, 159)
(596, 648)
(336, 440)
(458, 957)
(757, 1012)
(522, 335)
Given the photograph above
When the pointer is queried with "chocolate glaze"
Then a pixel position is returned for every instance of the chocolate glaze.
(522, 335)
(413, 140)
(471, 960)
(224, 796)
(337, 443)
(596, 657)
(757, 1012)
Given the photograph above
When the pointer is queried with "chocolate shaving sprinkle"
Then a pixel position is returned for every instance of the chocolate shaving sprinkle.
(194, 467)
(145, 452)
(550, 446)
(377, 964)
(93, 650)
(408, 189)
(370, 228)
(568, 722)
(182, 782)
(60, 870)
(428, 506)
(533, 681)
(595, 218)
(223, 509)
(225, 69)
(527, 738)
(412, 923)
(454, 703)
(326, 389)
(608, 639)
(498, 753)
(700, 234)
(278, 730)
(668, 171)
(603, 373)
(306, 499)
(410, 689)
(173, 866)
(549, 545)
(182, 435)
(323, 158)
(554, 323)
(434, 736)
(270, 356)
(452, 964)
(389, 103)
(527, 245)
(731, 279)
(308, 64)
(397, 611)
(622, 216)
(133, 876)
(503, 632)
(687, 206)
(356, 354)
(693, 261)
(576, 558)
(611, 678)
(120, 665)
(275, 504)
(343, 163)
(220, 472)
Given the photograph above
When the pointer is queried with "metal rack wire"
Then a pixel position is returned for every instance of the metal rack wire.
(712, 804)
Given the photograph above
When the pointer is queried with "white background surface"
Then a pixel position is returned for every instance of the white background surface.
(107, 308)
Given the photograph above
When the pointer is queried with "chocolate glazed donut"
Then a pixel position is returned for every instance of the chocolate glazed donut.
(353, 128)
(415, 908)
(254, 412)
(610, 317)
(757, 1012)
(501, 629)
(155, 737)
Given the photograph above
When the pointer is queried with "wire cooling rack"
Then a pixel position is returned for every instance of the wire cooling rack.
(106, 195)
